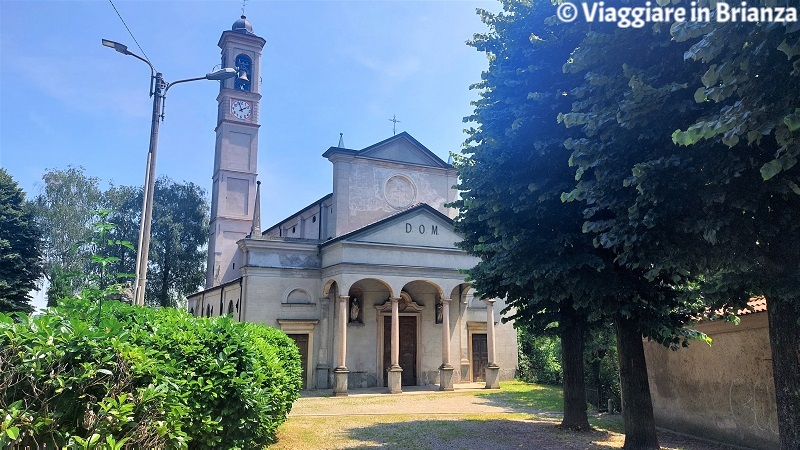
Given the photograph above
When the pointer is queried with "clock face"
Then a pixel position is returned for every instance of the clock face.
(241, 109)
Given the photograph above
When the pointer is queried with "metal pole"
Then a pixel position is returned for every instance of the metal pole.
(147, 194)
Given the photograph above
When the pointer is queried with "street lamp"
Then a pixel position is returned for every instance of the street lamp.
(158, 90)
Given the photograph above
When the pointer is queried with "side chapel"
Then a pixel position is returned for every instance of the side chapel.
(366, 279)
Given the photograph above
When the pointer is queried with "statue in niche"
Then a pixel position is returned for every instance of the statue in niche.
(354, 310)
(439, 308)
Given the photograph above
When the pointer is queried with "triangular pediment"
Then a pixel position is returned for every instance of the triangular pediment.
(421, 226)
(403, 148)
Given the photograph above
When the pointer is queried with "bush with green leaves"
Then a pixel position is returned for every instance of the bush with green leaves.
(539, 358)
(540, 362)
(130, 377)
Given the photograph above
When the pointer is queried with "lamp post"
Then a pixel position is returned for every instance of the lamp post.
(158, 90)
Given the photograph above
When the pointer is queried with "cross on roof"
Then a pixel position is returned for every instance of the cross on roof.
(394, 124)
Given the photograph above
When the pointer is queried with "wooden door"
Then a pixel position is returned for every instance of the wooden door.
(302, 344)
(480, 357)
(408, 349)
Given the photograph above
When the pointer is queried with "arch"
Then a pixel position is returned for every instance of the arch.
(364, 281)
(461, 292)
(297, 294)
(326, 290)
(244, 66)
(423, 288)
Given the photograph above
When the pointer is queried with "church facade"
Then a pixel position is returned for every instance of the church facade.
(367, 280)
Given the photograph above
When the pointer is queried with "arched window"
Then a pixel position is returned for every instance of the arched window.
(298, 296)
(191, 310)
(244, 69)
(230, 307)
(208, 310)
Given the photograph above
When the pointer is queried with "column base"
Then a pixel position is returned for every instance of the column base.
(340, 381)
(446, 378)
(323, 373)
(493, 376)
(394, 377)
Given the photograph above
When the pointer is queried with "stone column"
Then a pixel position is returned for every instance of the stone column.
(446, 369)
(492, 369)
(395, 372)
(340, 373)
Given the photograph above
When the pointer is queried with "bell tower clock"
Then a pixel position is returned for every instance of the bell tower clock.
(236, 152)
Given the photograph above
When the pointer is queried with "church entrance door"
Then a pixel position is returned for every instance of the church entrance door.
(302, 344)
(480, 357)
(408, 349)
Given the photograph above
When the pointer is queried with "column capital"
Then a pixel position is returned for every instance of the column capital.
(446, 301)
(394, 299)
(490, 301)
(344, 298)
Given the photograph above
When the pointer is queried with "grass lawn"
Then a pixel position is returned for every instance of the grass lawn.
(547, 399)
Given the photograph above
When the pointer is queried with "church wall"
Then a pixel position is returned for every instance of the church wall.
(362, 345)
(431, 342)
(309, 223)
(405, 256)
(724, 392)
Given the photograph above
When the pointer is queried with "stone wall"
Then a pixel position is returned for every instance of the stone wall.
(724, 392)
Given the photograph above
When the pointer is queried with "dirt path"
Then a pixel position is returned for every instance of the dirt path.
(420, 419)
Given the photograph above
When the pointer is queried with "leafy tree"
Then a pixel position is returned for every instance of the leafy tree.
(125, 203)
(64, 211)
(746, 82)
(178, 237)
(20, 261)
(178, 242)
(533, 248)
(724, 211)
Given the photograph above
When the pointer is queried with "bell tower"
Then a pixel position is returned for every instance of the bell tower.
(236, 152)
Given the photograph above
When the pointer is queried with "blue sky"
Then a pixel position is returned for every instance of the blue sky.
(328, 67)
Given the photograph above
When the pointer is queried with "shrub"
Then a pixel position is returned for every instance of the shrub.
(539, 358)
(142, 378)
(540, 362)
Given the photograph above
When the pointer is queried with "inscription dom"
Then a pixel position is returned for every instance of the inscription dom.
(421, 229)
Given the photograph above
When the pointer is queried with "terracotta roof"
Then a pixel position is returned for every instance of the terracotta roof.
(755, 305)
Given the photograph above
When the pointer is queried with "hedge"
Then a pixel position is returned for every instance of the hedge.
(132, 377)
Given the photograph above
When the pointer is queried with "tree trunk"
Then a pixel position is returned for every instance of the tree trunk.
(571, 331)
(637, 406)
(784, 333)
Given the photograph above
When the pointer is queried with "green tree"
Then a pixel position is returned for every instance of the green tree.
(743, 83)
(64, 211)
(178, 243)
(724, 211)
(125, 202)
(179, 236)
(533, 248)
(20, 260)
